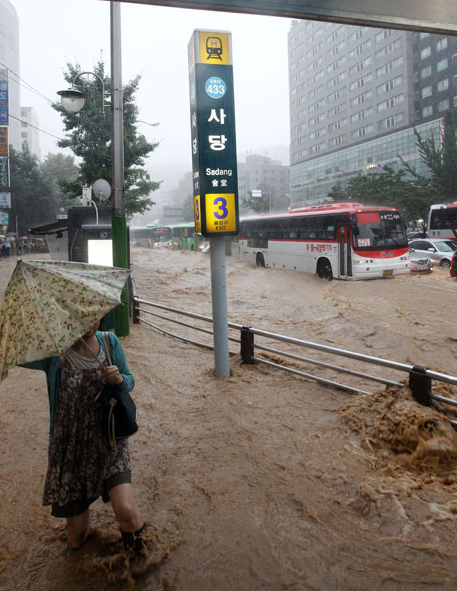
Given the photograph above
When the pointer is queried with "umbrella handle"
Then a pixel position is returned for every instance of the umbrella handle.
(91, 352)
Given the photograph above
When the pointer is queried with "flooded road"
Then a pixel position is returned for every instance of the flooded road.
(263, 480)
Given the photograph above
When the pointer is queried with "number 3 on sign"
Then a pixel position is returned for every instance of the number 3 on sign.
(220, 213)
(197, 215)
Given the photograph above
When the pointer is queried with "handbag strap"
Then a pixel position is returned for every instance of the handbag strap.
(106, 342)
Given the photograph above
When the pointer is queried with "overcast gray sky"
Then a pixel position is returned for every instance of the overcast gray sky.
(154, 45)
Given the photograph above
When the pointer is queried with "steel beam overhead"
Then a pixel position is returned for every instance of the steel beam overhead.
(439, 16)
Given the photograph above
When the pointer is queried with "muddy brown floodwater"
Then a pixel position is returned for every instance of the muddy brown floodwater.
(263, 480)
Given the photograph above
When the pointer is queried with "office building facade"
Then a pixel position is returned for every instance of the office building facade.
(355, 96)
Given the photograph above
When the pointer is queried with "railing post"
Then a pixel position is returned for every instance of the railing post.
(420, 385)
(136, 311)
(247, 345)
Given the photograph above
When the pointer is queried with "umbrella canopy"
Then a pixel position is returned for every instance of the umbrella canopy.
(48, 305)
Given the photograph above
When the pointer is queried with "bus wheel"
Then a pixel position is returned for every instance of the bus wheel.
(324, 270)
(259, 260)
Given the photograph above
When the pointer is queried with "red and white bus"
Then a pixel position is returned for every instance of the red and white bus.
(341, 240)
(442, 221)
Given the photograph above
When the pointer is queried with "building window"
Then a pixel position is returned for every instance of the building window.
(359, 66)
(361, 98)
(360, 49)
(388, 49)
(442, 65)
(391, 102)
(391, 121)
(317, 148)
(337, 110)
(317, 120)
(426, 72)
(425, 52)
(443, 85)
(427, 111)
(361, 82)
(441, 44)
(424, 35)
(426, 91)
(317, 134)
(361, 115)
(443, 105)
(336, 95)
(389, 67)
(383, 35)
(362, 131)
(337, 141)
(389, 85)
(337, 124)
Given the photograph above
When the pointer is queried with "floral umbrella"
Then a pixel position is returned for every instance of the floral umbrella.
(48, 305)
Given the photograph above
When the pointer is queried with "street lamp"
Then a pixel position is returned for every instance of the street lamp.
(72, 100)
(118, 220)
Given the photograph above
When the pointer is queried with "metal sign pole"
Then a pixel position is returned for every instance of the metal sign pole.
(219, 301)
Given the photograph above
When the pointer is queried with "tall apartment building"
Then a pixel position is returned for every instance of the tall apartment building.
(29, 131)
(9, 67)
(355, 95)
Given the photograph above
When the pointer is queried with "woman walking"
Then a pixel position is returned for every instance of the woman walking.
(82, 466)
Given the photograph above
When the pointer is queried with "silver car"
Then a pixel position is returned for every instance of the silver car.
(420, 263)
(438, 250)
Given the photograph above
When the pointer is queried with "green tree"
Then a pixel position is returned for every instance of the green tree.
(260, 204)
(32, 199)
(390, 188)
(441, 161)
(58, 169)
(89, 137)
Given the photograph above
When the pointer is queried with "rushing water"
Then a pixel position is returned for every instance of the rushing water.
(262, 480)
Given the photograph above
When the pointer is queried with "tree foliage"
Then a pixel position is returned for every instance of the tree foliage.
(32, 199)
(57, 169)
(442, 162)
(89, 137)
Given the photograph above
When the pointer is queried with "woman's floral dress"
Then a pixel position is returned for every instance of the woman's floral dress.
(79, 457)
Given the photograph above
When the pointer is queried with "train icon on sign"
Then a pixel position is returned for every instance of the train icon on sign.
(214, 48)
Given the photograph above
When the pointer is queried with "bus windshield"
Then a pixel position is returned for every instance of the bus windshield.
(379, 230)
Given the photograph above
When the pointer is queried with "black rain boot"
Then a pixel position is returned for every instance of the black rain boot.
(134, 543)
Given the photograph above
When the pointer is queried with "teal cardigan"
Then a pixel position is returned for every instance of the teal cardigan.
(51, 366)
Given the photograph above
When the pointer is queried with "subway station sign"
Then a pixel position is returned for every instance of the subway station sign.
(212, 120)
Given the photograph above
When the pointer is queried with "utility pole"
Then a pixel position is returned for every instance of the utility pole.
(118, 224)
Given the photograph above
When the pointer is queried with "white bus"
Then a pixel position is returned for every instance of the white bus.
(442, 221)
(341, 240)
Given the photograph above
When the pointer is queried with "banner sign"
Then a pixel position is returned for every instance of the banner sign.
(212, 120)
(4, 120)
(5, 199)
(4, 172)
(4, 219)
(3, 141)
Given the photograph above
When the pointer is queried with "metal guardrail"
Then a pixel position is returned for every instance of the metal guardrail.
(420, 378)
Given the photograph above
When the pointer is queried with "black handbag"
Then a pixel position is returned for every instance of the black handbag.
(118, 407)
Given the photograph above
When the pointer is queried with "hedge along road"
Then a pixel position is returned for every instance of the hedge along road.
(263, 480)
